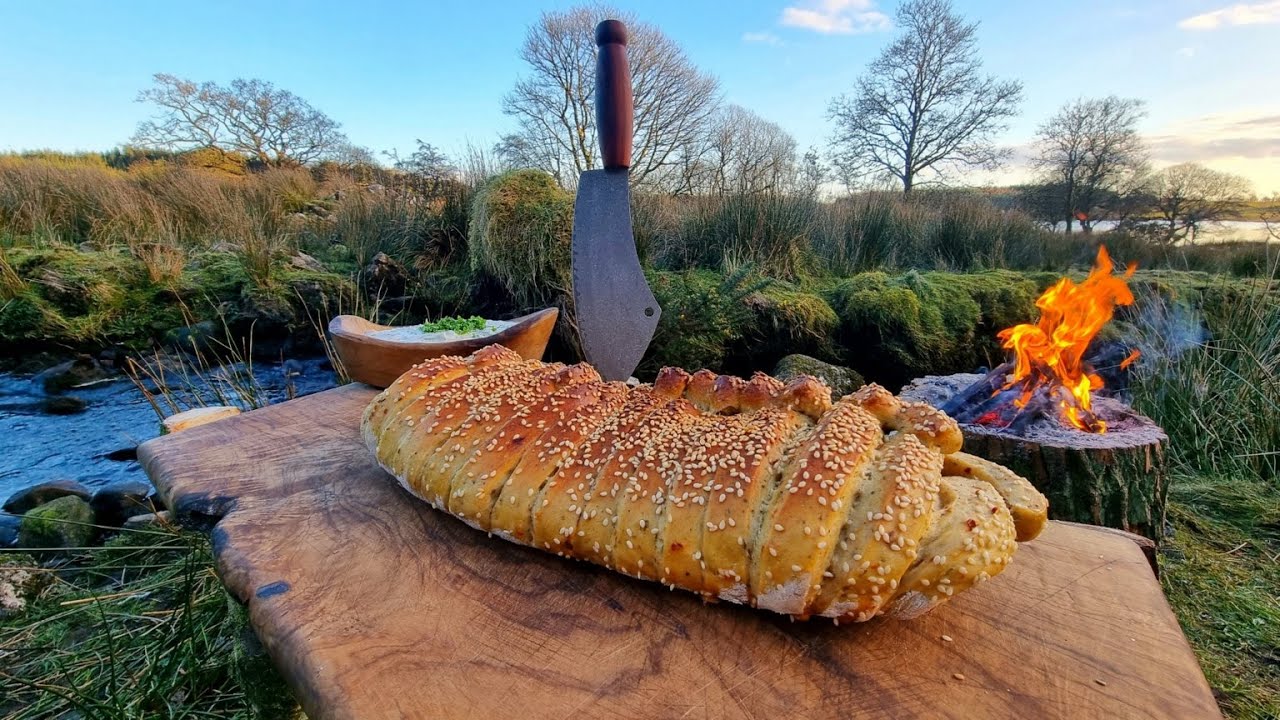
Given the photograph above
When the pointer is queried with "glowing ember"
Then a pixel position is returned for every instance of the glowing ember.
(1049, 355)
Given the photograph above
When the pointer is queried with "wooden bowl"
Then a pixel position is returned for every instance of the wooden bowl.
(379, 362)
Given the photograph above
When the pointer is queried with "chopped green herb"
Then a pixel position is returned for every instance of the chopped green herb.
(456, 324)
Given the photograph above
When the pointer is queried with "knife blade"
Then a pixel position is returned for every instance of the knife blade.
(615, 309)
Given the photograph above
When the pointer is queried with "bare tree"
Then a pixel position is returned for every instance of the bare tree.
(674, 101)
(811, 174)
(749, 155)
(1188, 196)
(923, 105)
(270, 125)
(426, 169)
(1090, 154)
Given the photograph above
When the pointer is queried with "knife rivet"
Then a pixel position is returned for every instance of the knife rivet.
(648, 312)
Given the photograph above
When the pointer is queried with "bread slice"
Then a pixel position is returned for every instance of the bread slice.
(429, 447)
(718, 453)
(932, 426)
(890, 514)
(418, 412)
(413, 384)
(796, 538)
(645, 502)
(972, 539)
(1030, 509)
(743, 488)
(556, 510)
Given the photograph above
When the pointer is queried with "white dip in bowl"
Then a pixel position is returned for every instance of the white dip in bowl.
(412, 334)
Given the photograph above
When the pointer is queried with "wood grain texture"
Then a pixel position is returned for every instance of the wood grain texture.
(379, 362)
(615, 110)
(376, 606)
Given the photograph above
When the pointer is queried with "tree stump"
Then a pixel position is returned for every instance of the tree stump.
(1115, 479)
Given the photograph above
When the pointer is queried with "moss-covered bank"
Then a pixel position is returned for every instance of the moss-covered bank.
(71, 299)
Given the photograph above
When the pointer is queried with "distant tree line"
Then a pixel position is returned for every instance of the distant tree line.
(1093, 166)
(923, 112)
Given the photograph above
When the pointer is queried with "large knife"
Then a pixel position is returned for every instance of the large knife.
(616, 312)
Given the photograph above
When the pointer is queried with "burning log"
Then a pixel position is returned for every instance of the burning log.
(986, 387)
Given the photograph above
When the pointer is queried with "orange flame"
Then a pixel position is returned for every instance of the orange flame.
(1049, 355)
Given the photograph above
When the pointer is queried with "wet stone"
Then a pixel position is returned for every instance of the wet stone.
(63, 405)
(114, 504)
(37, 495)
(63, 523)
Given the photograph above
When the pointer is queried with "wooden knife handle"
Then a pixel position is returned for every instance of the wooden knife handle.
(614, 109)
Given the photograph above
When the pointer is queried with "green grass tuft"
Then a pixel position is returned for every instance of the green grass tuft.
(521, 226)
(139, 628)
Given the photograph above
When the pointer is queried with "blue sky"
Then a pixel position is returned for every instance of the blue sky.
(392, 72)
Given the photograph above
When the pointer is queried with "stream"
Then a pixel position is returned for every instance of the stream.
(96, 446)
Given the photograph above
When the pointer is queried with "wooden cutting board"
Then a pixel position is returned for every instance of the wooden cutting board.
(373, 605)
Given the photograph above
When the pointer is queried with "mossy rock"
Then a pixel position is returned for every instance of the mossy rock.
(785, 319)
(281, 313)
(841, 380)
(521, 229)
(22, 318)
(898, 327)
(84, 299)
(66, 522)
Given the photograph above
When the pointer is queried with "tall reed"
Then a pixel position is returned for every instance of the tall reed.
(1217, 394)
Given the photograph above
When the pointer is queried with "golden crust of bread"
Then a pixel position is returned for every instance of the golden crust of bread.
(571, 417)
(751, 491)
(506, 424)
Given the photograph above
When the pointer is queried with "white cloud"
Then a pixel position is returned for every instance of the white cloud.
(1187, 52)
(1245, 142)
(763, 38)
(836, 17)
(1261, 13)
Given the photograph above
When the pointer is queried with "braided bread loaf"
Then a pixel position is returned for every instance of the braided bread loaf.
(750, 491)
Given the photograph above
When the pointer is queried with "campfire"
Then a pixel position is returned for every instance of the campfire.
(1049, 376)
(1047, 413)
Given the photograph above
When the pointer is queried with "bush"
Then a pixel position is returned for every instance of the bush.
(521, 227)
(703, 315)
(934, 230)
(768, 231)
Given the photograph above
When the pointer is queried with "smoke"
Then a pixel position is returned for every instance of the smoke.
(1160, 329)
(1163, 330)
